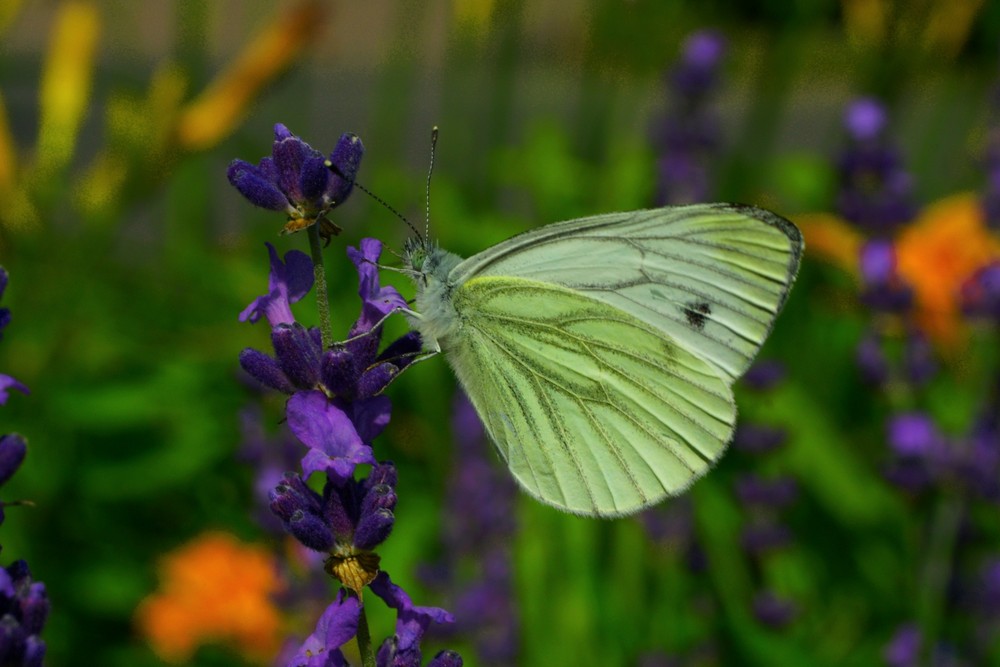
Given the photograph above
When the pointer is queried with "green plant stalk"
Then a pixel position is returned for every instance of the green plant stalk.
(319, 273)
(937, 569)
(364, 638)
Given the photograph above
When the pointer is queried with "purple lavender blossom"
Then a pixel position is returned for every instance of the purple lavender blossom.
(350, 516)
(24, 608)
(876, 191)
(919, 451)
(403, 648)
(883, 289)
(297, 180)
(914, 434)
(688, 137)
(903, 649)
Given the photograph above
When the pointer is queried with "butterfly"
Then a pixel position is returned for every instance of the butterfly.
(600, 352)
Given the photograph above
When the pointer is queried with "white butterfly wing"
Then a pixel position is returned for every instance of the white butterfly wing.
(594, 411)
(711, 277)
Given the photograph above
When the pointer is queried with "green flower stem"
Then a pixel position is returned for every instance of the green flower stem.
(322, 300)
(937, 568)
(364, 638)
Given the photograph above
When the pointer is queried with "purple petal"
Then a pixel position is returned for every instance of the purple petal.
(402, 351)
(704, 49)
(256, 187)
(764, 374)
(377, 301)
(375, 379)
(6, 383)
(346, 159)
(371, 416)
(374, 528)
(12, 451)
(34, 604)
(3, 281)
(338, 372)
(281, 131)
(314, 178)
(411, 621)
(311, 531)
(298, 354)
(865, 118)
(903, 648)
(289, 156)
(913, 434)
(265, 370)
(365, 260)
(338, 496)
(297, 275)
(6, 583)
(446, 658)
(34, 652)
(324, 427)
(878, 262)
(383, 474)
(337, 625)
(288, 282)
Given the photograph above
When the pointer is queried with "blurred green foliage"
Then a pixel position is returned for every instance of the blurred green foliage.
(131, 258)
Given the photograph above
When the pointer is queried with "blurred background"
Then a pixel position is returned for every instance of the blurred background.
(854, 520)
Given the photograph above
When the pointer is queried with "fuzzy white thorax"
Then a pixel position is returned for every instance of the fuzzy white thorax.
(436, 319)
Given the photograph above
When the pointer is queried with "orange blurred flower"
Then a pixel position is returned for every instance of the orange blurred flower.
(936, 254)
(947, 243)
(214, 114)
(214, 589)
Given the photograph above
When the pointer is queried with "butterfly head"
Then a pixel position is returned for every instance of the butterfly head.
(416, 253)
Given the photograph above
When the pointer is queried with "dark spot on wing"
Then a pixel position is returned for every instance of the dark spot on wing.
(696, 313)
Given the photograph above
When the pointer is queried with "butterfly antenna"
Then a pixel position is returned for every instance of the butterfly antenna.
(430, 170)
(332, 167)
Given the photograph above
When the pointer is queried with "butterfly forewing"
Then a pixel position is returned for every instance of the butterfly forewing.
(594, 410)
(711, 277)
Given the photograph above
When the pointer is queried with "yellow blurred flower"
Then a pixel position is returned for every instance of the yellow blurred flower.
(66, 83)
(947, 243)
(214, 589)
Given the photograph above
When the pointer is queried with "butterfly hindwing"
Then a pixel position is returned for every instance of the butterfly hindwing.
(594, 410)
